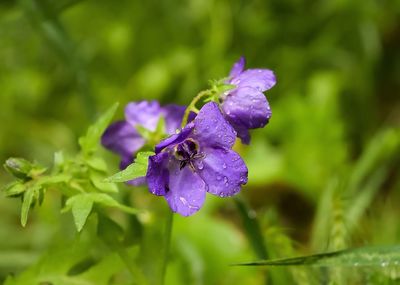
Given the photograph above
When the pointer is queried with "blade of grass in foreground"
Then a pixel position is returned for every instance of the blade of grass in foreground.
(383, 256)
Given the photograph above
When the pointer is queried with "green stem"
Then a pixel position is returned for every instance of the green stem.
(166, 245)
(192, 105)
(253, 232)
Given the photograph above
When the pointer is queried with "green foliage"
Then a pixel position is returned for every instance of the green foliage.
(323, 174)
(366, 256)
(90, 142)
(80, 179)
(135, 170)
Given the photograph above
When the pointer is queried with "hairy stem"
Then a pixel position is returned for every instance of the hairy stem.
(192, 105)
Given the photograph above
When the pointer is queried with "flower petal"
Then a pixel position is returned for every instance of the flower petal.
(137, 181)
(157, 175)
(223, 171)
(212, 129)
(260, 79)
(187, 191)
(120, 137)
(144, 113)
(176, 138)
(246, 107)
(237, 67)
(173, 115)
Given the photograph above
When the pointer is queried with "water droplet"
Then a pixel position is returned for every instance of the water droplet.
(219, 178)
(224, 165)
(200, 165)
(184, 201)
(226, 181)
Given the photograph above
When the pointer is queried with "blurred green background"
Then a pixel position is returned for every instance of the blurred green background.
(335, 124)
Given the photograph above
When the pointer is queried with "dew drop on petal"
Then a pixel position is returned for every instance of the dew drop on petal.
(226, 181)
(200, 165)
(224, 165)
(219, 178)
(184, 201)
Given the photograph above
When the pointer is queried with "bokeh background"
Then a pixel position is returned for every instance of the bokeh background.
(336, 115)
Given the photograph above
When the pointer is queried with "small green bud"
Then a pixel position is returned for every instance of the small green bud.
(18, 167)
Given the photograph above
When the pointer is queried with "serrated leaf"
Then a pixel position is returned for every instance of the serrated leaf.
(91, 140)
(134, 170)
(81, 205)
(14, 189)
(364, 256)
(26, 204)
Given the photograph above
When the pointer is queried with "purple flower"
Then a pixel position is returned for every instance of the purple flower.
(245, 106)
(123, 138)
(197, 160)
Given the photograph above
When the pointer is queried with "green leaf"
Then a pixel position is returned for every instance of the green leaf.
(26, 203)
(135, 170)
(90, 141)
(98, 181)
(81, 206)
(97, 163)
(108, 201)
(381, 256)
(14, 189)
(53, 179)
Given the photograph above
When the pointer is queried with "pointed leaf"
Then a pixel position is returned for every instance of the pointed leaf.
(26, 204)
(81, 206)
(135, 170)
(14, 189)
(91, 140)
(108, 201)
(364, 256)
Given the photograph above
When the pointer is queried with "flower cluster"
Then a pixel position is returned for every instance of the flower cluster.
(198, 157)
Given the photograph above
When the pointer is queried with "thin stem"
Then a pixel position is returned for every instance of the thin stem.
(253, 232)
(166, 245)
(192, 105)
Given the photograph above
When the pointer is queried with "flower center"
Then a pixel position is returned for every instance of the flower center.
(186, 152)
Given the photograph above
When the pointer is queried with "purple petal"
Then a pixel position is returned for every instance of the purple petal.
(143, 113)
(157, 175)
(223, 171)
(173, 115)
(246, 107)
(137, 181)
(187, 191)
(122, 138)
(260, 79)
(242, 132)
(238, 67)
(212, 129)
(175, 139)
